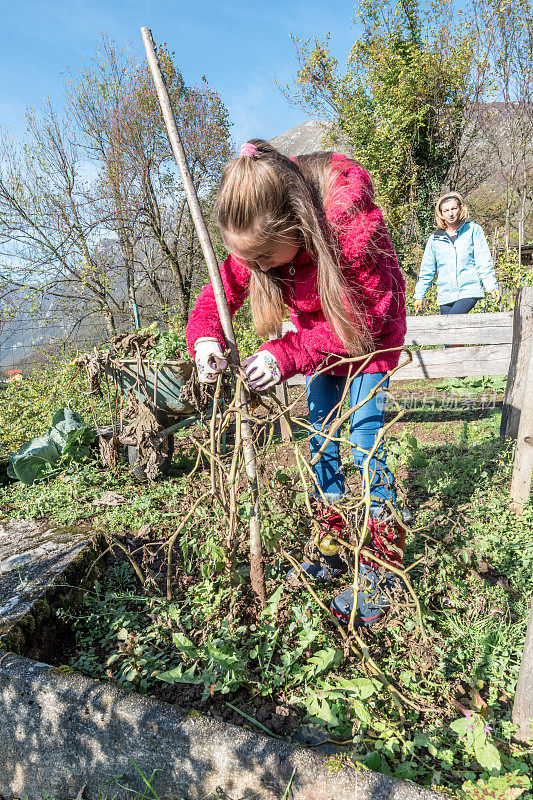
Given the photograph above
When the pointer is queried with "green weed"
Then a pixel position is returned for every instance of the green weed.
(472, 385)
(473, 583)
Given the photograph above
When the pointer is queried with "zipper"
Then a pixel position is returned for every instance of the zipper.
(455, 251)
(455, 254)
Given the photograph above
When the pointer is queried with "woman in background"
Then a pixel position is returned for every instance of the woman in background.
(459, 255)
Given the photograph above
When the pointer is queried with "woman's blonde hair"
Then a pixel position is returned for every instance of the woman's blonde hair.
(268, 196)
(439, 219)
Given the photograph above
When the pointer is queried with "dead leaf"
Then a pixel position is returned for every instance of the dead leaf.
(466, 712)
(108, 446)
(111, 499)
(144, 430)
(133, 343)
(503, 583)
(486, 572)
(477, 702)
(484, 567)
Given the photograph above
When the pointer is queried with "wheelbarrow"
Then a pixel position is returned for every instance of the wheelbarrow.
(160, 387)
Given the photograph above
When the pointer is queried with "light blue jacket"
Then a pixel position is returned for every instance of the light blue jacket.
(463, 267)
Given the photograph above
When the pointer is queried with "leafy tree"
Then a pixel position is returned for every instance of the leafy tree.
(505, 32)
(115, 104)
(92, 212)
(399, 106)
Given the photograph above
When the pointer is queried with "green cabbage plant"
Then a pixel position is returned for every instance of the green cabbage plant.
(69, 437)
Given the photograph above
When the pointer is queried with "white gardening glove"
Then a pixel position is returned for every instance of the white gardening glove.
(209, 359)
(262, 371)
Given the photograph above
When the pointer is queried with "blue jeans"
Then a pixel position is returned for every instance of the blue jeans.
(323, 394)
(459, 306)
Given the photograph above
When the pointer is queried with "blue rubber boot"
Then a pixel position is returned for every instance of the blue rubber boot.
(373, 599)
(331, 565)
(328, 569)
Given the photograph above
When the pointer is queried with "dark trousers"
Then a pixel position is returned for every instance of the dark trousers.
(459, 306)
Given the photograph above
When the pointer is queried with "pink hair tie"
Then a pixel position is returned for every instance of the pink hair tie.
(248, 149)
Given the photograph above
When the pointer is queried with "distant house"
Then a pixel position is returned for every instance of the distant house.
(14, 374)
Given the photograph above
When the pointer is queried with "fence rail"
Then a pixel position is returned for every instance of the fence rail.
(460, 329)
(490, 334)
(490, 359)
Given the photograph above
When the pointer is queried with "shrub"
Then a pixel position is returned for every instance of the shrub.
(29, 405)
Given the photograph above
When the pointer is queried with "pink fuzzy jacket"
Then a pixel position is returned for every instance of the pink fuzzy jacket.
(370, 267)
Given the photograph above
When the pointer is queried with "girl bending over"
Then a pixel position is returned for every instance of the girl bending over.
(305, 234)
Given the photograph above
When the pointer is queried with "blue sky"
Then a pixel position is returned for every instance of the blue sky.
(239, 46)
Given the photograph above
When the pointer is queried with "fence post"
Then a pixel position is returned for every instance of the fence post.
(523, 460)
(284, 421)
(515, 392)
(523, 700)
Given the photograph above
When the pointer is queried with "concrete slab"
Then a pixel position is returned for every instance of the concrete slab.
(63, 734)
(33, 556)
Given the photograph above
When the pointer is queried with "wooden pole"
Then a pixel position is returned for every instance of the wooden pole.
(523, 701)
(280, 391)
(257, 572)
(284, 422)
(516, 389)
(523, 460)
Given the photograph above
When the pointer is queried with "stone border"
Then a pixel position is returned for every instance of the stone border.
(64, 734)
(42, 566)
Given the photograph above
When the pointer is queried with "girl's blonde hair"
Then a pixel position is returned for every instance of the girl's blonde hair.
(268, 196)
(439, 219)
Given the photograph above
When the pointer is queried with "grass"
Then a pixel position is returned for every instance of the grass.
(150, 793)
(473, 583)
(148, 789)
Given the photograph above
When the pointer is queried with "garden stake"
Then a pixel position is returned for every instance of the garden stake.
(283, 414)
(257, 569)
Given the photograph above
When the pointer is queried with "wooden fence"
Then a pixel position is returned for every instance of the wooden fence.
(501, 344)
